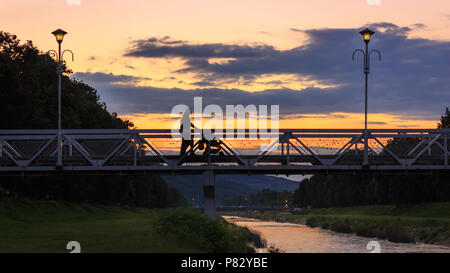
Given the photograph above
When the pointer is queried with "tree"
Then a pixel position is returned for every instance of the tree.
(29, 92)
(28, 100)
(351, 190)
(445, 120)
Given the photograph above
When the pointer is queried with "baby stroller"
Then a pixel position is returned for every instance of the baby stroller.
(214, 146)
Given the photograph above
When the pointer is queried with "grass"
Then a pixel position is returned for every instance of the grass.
(47, 226)
(429, 223)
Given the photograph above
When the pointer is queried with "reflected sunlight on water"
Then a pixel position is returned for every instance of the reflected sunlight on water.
(293, 238)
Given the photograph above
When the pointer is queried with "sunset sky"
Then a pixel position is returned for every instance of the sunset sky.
(146, 56)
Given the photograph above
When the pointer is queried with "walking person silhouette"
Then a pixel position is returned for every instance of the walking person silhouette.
(186, 132)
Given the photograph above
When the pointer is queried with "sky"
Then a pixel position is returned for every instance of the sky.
(145, 56)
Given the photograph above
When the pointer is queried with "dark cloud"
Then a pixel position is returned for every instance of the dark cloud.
(130, 99)
(203, 83)
(419, 26)
(316, 116)
(276, 82)
(168, 78)
(295, 29)
(164, 40)
(107, 78)
(164, 47)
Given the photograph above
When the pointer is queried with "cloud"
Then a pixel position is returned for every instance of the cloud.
(296, 30)
(164, 47)
(203, 83)
(131, 99)
(377, 122)
(107, 78)
(127, 99)
(315, 116)
(412, 79)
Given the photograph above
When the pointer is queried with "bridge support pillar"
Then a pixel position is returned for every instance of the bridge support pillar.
(366, 149)
(209, 193)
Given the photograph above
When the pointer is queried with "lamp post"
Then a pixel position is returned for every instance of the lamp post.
(367, 35)
(59, 35)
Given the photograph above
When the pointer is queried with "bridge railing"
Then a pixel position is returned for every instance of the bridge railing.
(284, 151)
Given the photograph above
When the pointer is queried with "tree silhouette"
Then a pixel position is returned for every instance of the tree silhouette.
(353, 190)
(28, 94)
(28, 100)
(445, 120)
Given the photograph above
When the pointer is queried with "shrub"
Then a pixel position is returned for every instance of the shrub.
(398, 235)
(209, 235)
(340, 226)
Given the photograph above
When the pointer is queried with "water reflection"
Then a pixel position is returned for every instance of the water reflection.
(293, 238)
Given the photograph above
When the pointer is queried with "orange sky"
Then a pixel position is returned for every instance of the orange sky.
(104, 28)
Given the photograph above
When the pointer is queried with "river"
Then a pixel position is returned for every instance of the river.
(295, 238)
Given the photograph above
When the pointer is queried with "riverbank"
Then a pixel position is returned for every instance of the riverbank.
(47, 226)
(427, 223)
(297, 238)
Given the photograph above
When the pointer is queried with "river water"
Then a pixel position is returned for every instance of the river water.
(294, 238)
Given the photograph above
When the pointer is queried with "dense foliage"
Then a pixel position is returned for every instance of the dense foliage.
(28, 100)
(36, 226)
(198, 230)
(28, 94)
(354, 190)
(445, 119)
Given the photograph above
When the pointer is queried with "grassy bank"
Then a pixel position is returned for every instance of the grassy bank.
(46, 226)
(429, 223)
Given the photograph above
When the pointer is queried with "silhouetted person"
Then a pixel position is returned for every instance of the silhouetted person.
(187, 137)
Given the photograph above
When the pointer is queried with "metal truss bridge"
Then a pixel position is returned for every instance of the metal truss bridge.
(289, 151)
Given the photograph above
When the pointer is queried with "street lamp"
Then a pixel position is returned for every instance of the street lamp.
(59, 35)
(367, 35)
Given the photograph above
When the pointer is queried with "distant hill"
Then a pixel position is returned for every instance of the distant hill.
(228, 185)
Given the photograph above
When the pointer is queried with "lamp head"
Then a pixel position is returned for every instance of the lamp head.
(59, 35)
(367, 34)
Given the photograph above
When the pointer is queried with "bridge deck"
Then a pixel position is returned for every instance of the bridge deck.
(291, 151)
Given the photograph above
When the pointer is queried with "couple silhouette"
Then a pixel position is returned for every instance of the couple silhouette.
(186, 126)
